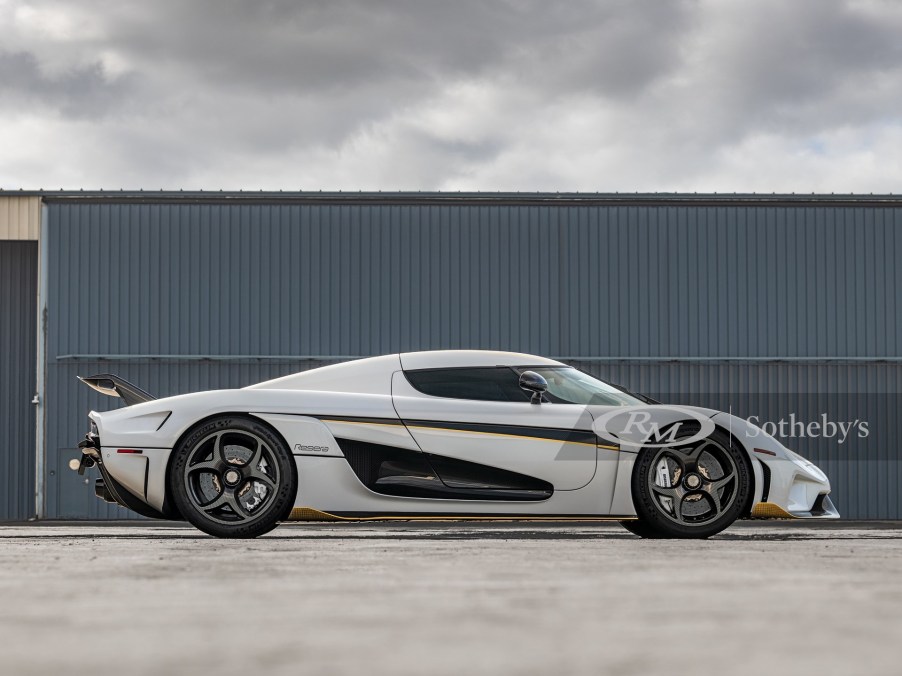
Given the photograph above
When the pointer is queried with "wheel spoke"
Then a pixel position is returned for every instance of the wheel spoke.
(218, 501)
(228, 498)
(255, 458)
(715, 500)
(205, 466)
(712, 489)
(676, 495)
(690, 463)
(677, 456)
(678, 507)
(717, 484)
(697, 451)
(214, 464)
(219, 449)
(668, 491)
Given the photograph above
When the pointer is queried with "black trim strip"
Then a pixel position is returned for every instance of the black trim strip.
(317, 455)
(168, 415)
(353, 419)
(548, 433)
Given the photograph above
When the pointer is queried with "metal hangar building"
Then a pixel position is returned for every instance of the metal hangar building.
(782, 307)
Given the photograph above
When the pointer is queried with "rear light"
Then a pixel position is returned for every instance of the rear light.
(131, 451)
(757, 450)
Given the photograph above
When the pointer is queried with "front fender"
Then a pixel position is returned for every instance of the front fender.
(791, 486)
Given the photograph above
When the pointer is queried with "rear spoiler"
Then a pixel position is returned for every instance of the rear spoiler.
(114, 386)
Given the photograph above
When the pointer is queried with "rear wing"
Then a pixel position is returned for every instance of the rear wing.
(114, 386)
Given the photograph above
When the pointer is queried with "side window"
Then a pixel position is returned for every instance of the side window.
(482, 384)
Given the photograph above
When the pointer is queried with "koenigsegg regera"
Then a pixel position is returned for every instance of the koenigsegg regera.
(459, 433)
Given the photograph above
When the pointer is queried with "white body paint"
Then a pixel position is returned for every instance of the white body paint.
(312, 409)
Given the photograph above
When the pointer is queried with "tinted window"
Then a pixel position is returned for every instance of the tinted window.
(483, 384)
(570, 386)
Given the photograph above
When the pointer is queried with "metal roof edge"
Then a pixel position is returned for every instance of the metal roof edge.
(465, 198)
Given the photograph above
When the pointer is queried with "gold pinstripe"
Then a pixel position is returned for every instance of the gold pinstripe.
(357, 422)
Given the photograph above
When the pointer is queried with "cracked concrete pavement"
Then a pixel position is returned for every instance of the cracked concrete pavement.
(450, 598)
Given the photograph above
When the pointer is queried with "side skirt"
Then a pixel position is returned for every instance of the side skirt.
(311, 514)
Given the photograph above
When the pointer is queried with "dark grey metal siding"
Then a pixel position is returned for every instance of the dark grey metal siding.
(865, 471)
(18, 343)
(649, 295)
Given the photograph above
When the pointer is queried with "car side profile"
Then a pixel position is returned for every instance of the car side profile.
(457, 433)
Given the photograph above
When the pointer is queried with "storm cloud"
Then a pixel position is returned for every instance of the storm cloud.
(763, 95)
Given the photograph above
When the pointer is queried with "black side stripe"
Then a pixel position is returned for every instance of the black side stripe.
(352, 419)
(556, 434)
(549, 433)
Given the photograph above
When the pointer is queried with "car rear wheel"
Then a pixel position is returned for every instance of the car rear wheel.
(233, 477)
(690, 491)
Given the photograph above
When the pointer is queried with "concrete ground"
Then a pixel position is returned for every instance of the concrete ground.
(450, 598)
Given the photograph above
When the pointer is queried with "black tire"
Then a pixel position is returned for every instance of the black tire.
(640, 528)
(233, 477)
(713, 483)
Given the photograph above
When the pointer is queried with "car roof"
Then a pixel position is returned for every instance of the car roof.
(462, 358)
(373, 375)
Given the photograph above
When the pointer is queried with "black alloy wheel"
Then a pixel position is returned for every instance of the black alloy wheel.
(691, 490)
(233, 477)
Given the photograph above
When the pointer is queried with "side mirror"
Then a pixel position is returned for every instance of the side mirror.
(532, 382)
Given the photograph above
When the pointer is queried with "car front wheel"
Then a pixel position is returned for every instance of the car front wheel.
(233, 477)
(690, 491)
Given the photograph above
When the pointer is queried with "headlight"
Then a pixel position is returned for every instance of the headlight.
(806, 465)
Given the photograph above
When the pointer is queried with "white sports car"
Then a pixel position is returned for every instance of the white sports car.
(460, 434)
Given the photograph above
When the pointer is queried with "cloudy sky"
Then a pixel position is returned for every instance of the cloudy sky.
(707, 95)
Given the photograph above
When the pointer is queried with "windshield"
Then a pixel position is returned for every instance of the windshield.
(571, 386)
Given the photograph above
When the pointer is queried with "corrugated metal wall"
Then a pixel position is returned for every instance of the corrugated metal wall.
(704, 304)
(18, 341)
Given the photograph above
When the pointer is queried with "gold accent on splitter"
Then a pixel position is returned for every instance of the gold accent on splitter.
(311, 514)
(770, 510)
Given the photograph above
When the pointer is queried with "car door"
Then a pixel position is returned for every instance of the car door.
(480, 416)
